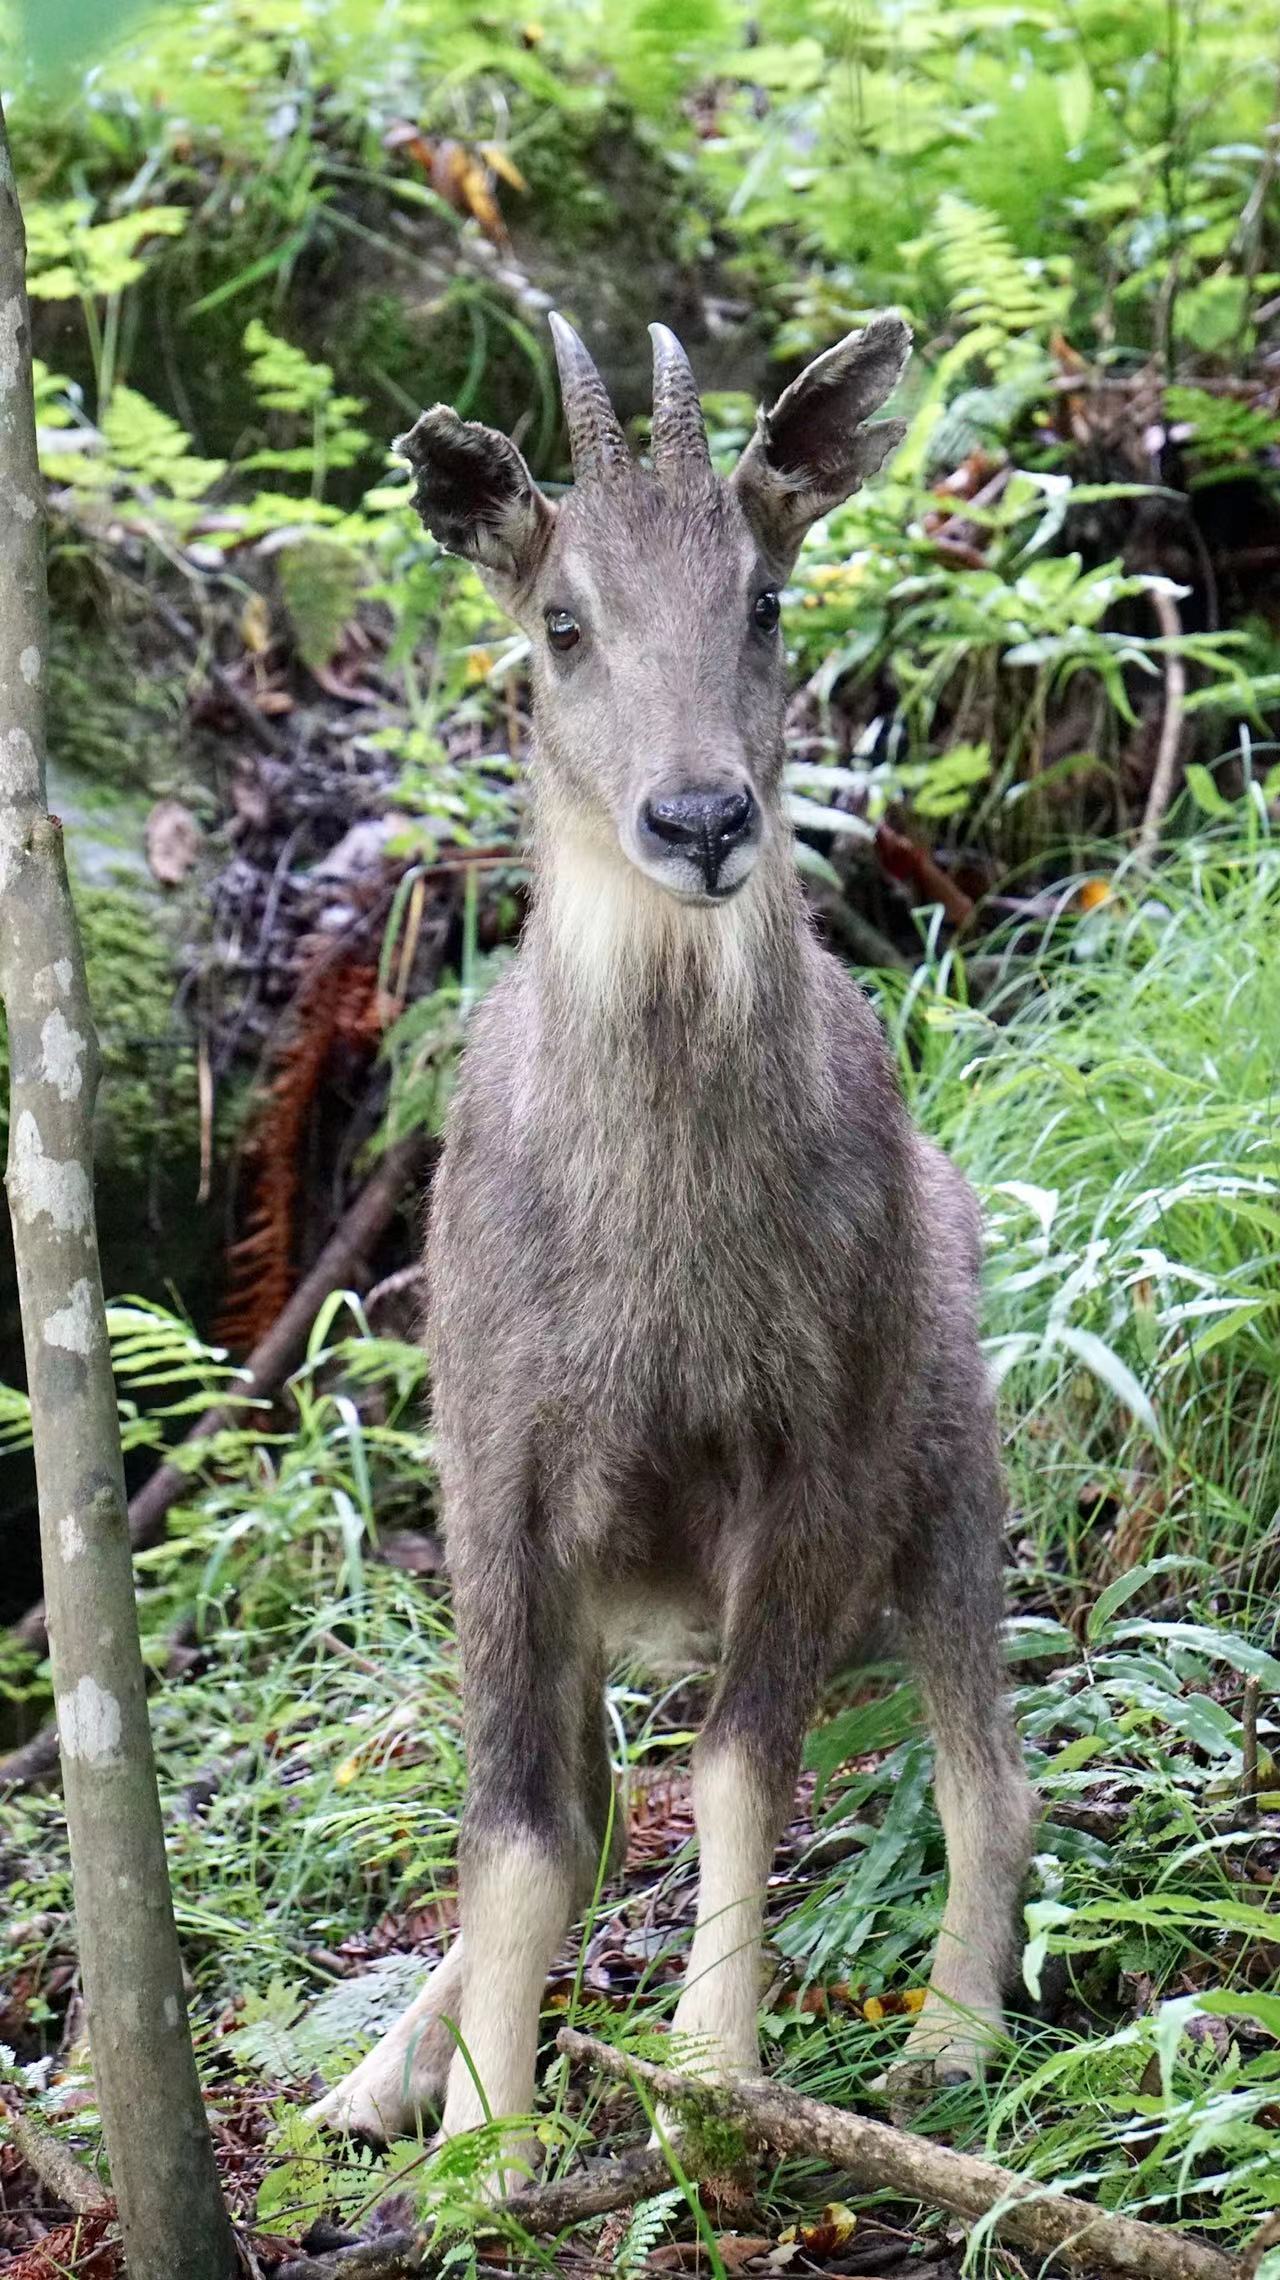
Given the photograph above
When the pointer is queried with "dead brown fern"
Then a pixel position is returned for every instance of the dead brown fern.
(336, 1005)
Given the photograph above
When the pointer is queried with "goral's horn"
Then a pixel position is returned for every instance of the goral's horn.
(679, 436)
(596, 442)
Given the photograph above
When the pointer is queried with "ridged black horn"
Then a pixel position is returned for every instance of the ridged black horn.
(679, 436)
(596, 442)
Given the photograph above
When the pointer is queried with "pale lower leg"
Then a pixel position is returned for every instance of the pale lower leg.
(737, 1831)
(986, 1809)
(404, 2074)
(517, 1896)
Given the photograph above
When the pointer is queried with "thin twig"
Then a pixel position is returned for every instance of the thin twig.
(541, 2210)
(878, 2158)
(1175, 692)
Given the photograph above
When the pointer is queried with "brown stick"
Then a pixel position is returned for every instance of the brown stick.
(32, 1761)
(1249, 1752)
(542, 2209)
(912, 865)
(878, 2158)
(341, 1261)
(1175, 691)
(66, 2178)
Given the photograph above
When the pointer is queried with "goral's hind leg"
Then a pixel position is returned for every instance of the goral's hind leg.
(950, 1602)
(402, 2080)
(404, 2075)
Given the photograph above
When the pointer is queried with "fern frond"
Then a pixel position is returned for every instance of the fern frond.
(992, 287)
(333, 1006)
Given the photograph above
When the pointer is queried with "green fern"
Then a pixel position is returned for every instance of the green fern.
(993, 290)
(320, 582)
(642, 2234)
(151, 450)
(1229, 440)
(286, 381)
(69, 256)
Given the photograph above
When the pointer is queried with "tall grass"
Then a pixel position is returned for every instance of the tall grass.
(1116, 1105)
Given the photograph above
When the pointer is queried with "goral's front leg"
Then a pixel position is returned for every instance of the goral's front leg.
(744, 1776)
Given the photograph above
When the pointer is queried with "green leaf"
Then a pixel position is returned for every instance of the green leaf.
(1133, 1579)
(1204, 791)
(1105, 1364)
(1226, 2003)
(1219, 1646)
(867, 1726)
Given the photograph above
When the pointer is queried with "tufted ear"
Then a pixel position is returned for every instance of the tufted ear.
(476, 495)
(818, 443)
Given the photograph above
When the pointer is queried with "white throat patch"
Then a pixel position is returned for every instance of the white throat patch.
(619, 938)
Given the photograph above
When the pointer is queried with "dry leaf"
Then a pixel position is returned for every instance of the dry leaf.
(893, 2004)
(823, 2235)
(502, 165)
(173, 842)
(255, 624)
(735, 2250)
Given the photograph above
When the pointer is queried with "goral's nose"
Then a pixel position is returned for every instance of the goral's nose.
(703, 825)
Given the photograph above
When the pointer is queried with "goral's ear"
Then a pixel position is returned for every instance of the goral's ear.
(476, 495)
(819, 442)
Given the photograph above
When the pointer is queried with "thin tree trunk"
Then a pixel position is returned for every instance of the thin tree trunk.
(172, 2216)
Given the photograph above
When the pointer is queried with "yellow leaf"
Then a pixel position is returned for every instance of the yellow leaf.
(255, 624)
(873, 2009)
(914, 1998)
(832, 2230)
(473, 184)
(503, 164)
(823, 2235)
(346, 1773)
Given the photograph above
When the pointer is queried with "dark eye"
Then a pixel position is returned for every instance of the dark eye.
(766, 610)
(563, 629)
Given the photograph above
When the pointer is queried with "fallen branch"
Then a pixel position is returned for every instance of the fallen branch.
(343, 1261)
(57, 2169)
(540, 2210)
(32, 1762)
(879, 2158)
(1175, 692)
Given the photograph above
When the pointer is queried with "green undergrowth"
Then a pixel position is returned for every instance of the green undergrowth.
(1114, 1099)
(263, 233)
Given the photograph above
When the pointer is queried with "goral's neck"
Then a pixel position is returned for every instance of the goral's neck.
(608, 941)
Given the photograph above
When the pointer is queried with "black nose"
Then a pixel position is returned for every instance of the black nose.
(704, 825)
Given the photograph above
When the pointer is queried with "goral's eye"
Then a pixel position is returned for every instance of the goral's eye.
(766, 610)
(563, 629)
